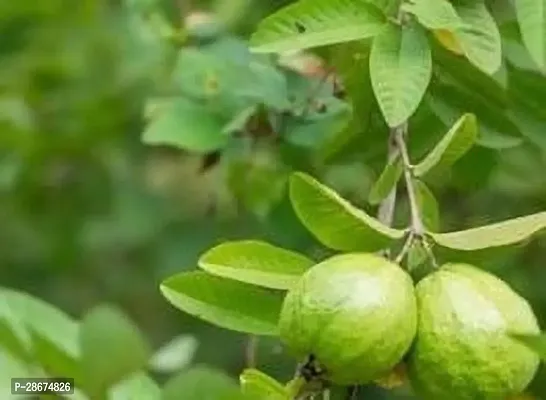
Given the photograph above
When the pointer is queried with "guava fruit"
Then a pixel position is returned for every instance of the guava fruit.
(354, 313)
(462, 350)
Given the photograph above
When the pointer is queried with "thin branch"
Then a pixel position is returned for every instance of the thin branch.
(251, 349)
(352, 393)
(417, 226)
(405, 248)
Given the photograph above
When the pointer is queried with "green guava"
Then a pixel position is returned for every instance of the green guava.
(462, 350)
(354, 313)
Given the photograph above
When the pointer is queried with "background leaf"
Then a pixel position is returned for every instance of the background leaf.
(430, 210)
(531, 15)
(137, 385)
(257, 385)
(228, 304)
(479, 38)
(537, 343)
(109, 355)
(257, 263)
(434, 14)
(386, 181)
(460, 138)
(311, 23)
(334, 221)
(494, 235)
(400, 70)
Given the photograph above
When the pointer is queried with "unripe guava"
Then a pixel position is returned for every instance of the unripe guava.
(355, 313)
(462, 350)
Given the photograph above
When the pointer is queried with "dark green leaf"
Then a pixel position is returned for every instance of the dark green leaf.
(494, 235)
(223, 302)
(334, 221)
(460, 138)
(386, 181)
(430, 210)
(312, 23)
(400, 70)
(112, 348)
(257, 263)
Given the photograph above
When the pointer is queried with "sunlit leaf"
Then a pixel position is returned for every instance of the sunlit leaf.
(494, 235)
(400, 70)
(434, 14)
(223, 302)
(312, 23)
(531, 15)
(175, 354)
(334, 221)
(386, 181)
(460, 138)
(257, 385)
(137, 385)
(257, 263)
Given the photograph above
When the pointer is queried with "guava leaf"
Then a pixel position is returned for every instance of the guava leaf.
(334, 221)
(174, 355)
(400, 70)
(113, 348)
(537, 343)
(434, 14)
(494, 235)
(480, 38)
(223, 302)
(428, 205)
(531, 16)
(312, 23)
(460, 138)
(137, 385)
(257, 385)
(257, 263)
(186, 125)
(386, 181)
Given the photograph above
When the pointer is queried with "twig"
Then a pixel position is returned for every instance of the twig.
(405, 248)
(417, 226)
(251, 347)
(352, 393)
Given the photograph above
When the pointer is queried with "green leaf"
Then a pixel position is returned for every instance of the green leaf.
(386, 181)
(480, 37)
(257, 385)
(312, 23)
(434, 14)
(137, 386)
(202, 383)
(257, 263)
(334, 221)
(430, 210)
(186, 125)
(537, 343)
(223, 302)
(174, 355)
(400, 70)
(460, 138)
(531, 16)
(112, 348)
(495, 235)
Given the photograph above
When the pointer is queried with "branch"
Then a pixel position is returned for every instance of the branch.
(251, 347)
(417, 227)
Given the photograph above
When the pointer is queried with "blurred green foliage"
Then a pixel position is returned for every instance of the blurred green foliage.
(90, 215)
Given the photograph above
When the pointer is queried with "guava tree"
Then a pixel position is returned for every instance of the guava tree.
(354, 316)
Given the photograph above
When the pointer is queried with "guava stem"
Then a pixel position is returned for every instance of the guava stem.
(352, 393)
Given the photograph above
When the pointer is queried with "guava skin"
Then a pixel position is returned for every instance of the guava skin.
(461, 351)
(356, 313)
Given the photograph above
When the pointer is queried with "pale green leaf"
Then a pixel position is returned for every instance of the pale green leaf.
(531, 15)
(312, 23)
(480, 38)
(428, 205)
(136, 386)
(400, 70)
(186, 125)
(174, 355)
(334, 221)
(223, 302)
(112, 348)
(386, 181)
(460, 138)
(434, 14)
(257, 263)
(257, 385)
(537, 343)
(495, 235)
(202, 383)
